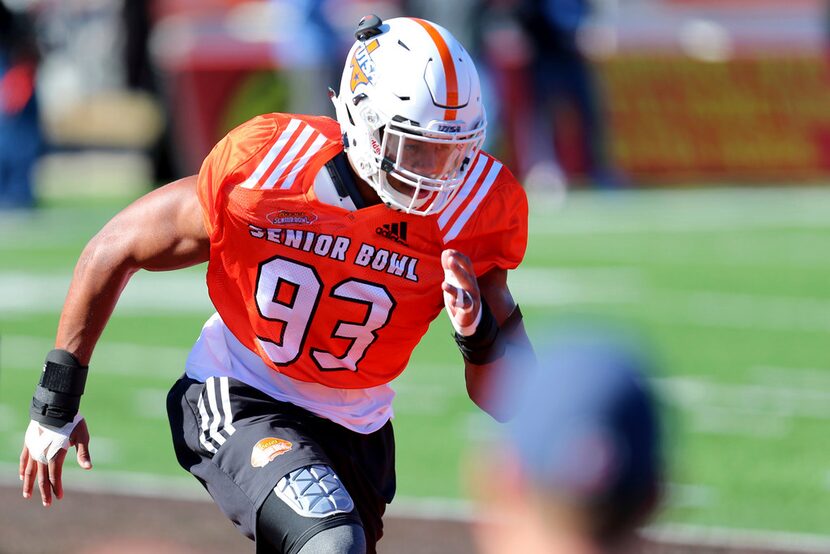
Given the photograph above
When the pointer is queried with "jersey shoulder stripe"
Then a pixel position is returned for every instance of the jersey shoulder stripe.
(279, 145)
(475, 188)
(469, 182)
(293, 147)
(305, 156)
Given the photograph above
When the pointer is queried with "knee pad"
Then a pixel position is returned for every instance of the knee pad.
(310, 511)
(314, 491)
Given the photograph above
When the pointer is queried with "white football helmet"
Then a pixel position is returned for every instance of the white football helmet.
(411, 111)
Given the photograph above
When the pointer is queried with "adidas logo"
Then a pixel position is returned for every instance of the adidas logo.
(394, 231)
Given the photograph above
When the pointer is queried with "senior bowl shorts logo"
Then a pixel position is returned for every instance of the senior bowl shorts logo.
(267, 449)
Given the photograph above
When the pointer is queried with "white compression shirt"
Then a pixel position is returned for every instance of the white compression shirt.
(218, 353)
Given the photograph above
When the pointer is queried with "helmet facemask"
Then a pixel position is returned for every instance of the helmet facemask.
(420, 169)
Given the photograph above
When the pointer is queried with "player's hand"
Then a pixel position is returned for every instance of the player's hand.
(462, 298)
(44, 450)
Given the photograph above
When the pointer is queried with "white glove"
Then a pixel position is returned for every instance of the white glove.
(44, 441)
(462, 300)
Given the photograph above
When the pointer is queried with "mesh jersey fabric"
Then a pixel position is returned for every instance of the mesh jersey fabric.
(326, 295)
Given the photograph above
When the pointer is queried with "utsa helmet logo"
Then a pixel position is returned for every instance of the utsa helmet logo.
(361, 63)
(449, 128)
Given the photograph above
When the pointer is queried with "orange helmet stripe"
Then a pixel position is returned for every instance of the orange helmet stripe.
(449, 67)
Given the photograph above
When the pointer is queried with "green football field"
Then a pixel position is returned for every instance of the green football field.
(729, 287)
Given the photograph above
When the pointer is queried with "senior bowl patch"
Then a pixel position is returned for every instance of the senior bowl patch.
(287, 217)
(267, 449)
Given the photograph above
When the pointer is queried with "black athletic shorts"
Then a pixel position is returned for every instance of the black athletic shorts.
(239, 442)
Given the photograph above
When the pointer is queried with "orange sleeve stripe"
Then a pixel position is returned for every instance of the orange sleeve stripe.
(276, 151)
(469, 196)
(291, 147)
(278, 159)
(449, 67)
(310, 141)
(473, 176)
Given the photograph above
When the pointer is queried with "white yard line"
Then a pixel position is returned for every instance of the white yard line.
(684, 211)
(815, 378)
(26, 353)
(147, 293)
(150, 403)
(185, 293)
(764, 408)
(672, 223)
(783, 253)
(751, 399)
(23, 352)
(53, 227)
(744, 311)
(541, 287)
(719, 537)
(159, 294)
(744, 409)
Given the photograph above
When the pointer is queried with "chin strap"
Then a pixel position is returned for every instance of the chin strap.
(343, 178)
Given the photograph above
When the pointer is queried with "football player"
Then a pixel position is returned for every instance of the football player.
(331, 246)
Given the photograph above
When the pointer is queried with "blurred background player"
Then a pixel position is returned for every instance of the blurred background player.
(141, 75)
(579, 468)
(564, 89)
(549, 96)
(311, 69)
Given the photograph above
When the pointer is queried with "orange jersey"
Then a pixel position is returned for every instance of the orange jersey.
(327, 295)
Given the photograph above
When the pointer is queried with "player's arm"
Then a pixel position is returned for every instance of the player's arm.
(488, 333)
(162, 230)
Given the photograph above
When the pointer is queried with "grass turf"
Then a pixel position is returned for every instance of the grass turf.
(728, 287)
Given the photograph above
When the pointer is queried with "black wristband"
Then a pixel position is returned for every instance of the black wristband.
(58, 393)
(482, 346)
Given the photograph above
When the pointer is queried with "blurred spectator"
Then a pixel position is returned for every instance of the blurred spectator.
(563, 82)
(546, 83)
(580, 465)
(504, 55)
(452, 15)
(20, 136)
(325, 32)
(827, 29)
(310, 70)
(141, 75)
